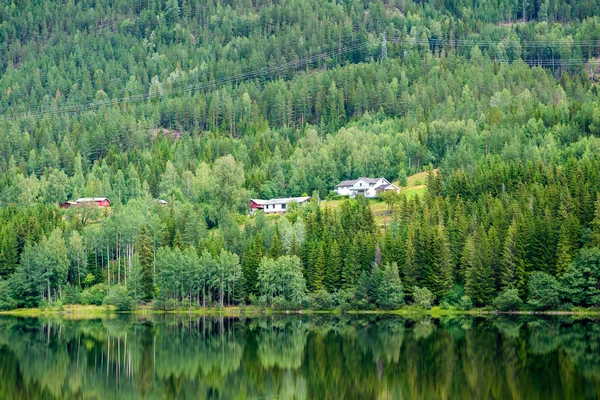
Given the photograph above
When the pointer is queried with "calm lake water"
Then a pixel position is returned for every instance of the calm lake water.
(294, 357)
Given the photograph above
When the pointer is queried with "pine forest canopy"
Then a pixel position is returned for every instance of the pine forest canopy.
(208, 104)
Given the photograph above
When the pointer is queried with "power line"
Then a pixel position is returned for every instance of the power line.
(300, 63)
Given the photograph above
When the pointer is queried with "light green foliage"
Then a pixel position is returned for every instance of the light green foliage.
(282, 278)
(423, 297)
(119, 298)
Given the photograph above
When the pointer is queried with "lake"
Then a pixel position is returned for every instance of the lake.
(299, 357)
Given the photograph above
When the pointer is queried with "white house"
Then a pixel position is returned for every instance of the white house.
(276, 205)
(368, 187)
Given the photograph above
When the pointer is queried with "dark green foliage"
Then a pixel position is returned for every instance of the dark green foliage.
(580, 284)
(508, 300)
(510, 151)
(543, 291)
(93, 295)
(147, 263)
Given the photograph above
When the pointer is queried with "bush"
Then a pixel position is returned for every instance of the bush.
(466, 303)
(94, 295)
(542, 291)
(423, 297)
(508, 300)
(120, 298)
(280, 303)
(322, 300)
(453, 297)
(71, 295)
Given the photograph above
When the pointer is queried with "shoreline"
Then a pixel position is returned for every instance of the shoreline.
(436, 312)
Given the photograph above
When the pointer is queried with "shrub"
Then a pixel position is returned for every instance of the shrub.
(120, 298)
(71, 295)
(322, 300)
(423, 297)
(466, 303)
(542, 291)
(94, 295)
(453, 297)
(508, 300)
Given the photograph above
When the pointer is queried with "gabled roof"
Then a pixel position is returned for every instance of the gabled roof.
(90, 199)
(386, 186)
(351, 182)
(347, 183)
(288, 200)
(259, 201)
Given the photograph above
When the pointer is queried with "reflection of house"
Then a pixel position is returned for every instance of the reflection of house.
(87, 202)
(276, 205)
(368, 187)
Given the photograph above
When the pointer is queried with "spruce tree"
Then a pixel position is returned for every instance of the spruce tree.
(178, 240)
(333, 268)
(509, 261)
(319, 270)
(479, 275)
(568, 240)
(146, 259)
(250, 261)
(276, 249)
(411, 268)
(444, 262)
(351, 268)
(596, 223)
(389, 291)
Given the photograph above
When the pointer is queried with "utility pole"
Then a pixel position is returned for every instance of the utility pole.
(383, 47)
(524, 19)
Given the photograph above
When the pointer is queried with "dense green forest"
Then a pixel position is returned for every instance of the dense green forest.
(207, 104)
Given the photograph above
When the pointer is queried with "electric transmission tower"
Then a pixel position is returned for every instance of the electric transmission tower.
(383, 47)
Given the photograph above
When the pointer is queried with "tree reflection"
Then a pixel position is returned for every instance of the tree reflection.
(285, 357)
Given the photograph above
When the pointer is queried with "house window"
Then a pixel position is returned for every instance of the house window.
(283, 206)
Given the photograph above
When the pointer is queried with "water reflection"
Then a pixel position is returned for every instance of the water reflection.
(294, 357)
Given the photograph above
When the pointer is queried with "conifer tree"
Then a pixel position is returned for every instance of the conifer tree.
(411, 268)
(276, 249)
(333, 268)
(146, 259)
(178, 241)
(444, 262)
(319, 270)
(389, 292)
(568, 240)
(351, 268)
(479, 275)
(509, 261)
(596, 223)
(250, 261)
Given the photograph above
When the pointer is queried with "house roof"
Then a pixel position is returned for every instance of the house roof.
(90, 199)
(287, 200)
(385, 186)
(347, 183)
(353, 181)
(259, 201)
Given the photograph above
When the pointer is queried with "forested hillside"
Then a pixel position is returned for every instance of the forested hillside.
(206, 104)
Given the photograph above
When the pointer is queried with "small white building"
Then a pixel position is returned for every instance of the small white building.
(276, 205)
(368, 187)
